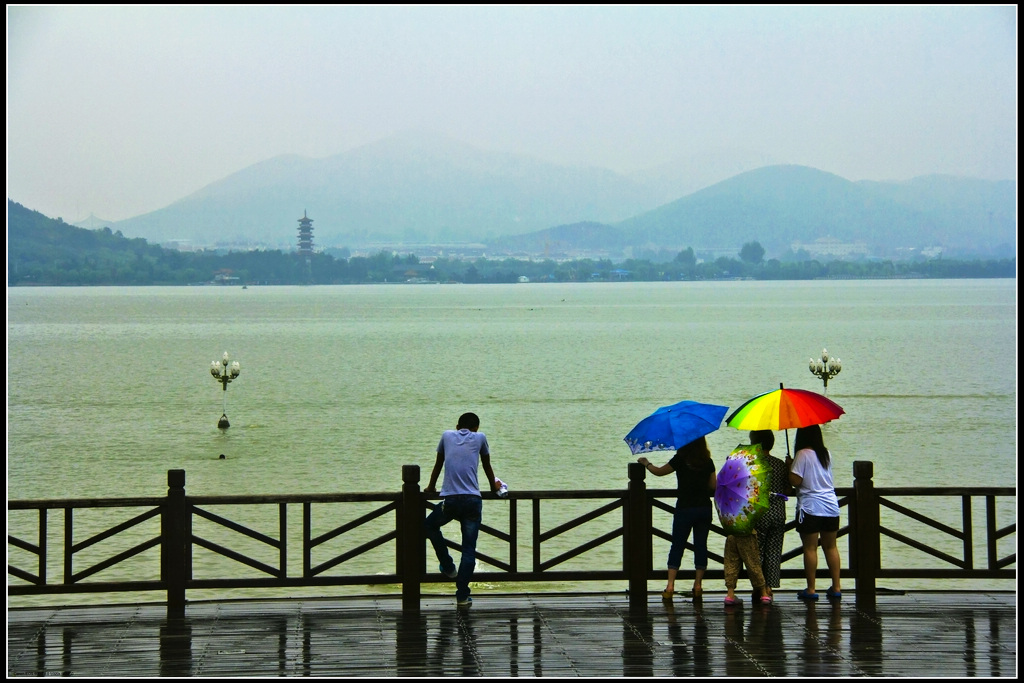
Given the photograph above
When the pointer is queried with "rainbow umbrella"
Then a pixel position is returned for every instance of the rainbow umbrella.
(784, 409)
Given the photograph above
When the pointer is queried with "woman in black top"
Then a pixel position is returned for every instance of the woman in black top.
(696, 481)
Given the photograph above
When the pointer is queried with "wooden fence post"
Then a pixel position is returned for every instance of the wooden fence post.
(865, 538)
(174, 550)
(638, 539)
(412, 550)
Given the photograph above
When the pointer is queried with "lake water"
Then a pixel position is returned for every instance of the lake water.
(108, 388)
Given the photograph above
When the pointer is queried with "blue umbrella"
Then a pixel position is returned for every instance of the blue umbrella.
(671, 427)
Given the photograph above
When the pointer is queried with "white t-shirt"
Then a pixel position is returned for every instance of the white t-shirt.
(817, 494)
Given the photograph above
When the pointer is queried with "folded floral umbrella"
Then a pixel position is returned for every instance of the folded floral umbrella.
(784, 409)
(742, 494)
(671, 427)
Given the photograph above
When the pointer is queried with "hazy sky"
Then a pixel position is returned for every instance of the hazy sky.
(119, 111)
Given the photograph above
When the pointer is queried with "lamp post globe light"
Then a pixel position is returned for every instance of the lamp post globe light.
(826, 368)
(224, 371)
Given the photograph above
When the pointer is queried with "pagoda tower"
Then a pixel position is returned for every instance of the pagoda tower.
(305, 235)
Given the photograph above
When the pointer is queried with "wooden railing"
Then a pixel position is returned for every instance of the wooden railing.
(187, 523)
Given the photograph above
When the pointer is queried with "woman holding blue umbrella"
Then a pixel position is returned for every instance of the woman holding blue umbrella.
(696, 482)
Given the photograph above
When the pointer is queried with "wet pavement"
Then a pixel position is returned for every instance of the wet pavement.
(940, 634)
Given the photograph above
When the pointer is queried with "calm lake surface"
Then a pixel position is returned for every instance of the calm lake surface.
(108, 388)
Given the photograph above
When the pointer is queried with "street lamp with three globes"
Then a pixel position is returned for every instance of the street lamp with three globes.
(224, 371)
(826, 368)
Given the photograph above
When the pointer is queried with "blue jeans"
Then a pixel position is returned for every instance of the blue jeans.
(685, 520)
(466, 509)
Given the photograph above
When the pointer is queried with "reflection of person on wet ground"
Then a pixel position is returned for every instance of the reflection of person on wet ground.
(821, 650)
(689, 657)
(765, 633)
(450, 625)
(737, 662)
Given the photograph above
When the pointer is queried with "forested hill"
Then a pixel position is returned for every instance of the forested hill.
(45, 251)
(41, 250)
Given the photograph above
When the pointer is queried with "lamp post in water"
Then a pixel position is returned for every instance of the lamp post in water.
(826, 368)
(224, 371)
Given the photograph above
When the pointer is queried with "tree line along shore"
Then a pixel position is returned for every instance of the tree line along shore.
(44, 251)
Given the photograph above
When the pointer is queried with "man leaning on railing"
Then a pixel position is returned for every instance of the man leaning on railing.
(460, 452)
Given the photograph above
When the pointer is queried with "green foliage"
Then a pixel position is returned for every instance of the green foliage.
(752, 252)
(44, 251)
(686, 257)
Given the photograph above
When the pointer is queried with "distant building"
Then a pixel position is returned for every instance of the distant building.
(830, 247)
(179, 245)
(224, 277)
(305, 235)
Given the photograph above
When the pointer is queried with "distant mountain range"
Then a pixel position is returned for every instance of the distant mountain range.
(413, 189)
(780, 206)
